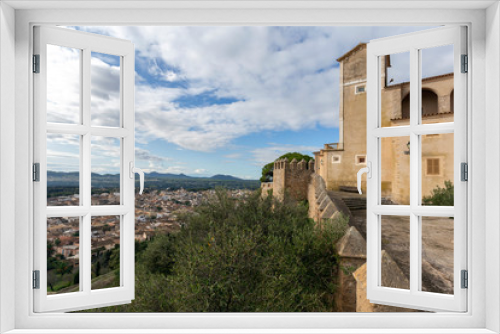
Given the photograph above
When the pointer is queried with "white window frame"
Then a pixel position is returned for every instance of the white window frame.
(377, 50)
(484, 102)
(336, 156)
(85, 298)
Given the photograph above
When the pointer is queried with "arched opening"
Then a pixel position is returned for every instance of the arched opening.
(429, 102)
(452, 101)
(405, 107)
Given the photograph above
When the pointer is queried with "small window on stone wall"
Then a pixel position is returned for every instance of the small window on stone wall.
(360, 89)
(433, 166)
(360, 159)
(336, 159)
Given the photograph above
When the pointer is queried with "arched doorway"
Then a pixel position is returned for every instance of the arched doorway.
(452, 101)
(429, 102)
(405, 107)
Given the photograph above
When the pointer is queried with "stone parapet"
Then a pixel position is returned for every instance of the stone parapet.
(392, 276)
(351, 249)
(292, 177)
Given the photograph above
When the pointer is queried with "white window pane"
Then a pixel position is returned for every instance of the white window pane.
(395, 89)
(437, 254)
(106, 161)
(63, 261)
(63, 84)
(105, 91)
(437, 169)
(395, 242)
(395, 170)
(105, 252)
(63, 169)
(437, 84)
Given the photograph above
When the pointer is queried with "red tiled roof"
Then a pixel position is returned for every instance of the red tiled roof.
(424, 116)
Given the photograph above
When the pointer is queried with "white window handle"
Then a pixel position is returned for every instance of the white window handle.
(368, 171)
(139, 171)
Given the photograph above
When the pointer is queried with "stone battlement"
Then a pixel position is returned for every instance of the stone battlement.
(294, 164)
(292, 177)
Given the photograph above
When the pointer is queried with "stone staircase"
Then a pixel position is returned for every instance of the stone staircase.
(353, 201)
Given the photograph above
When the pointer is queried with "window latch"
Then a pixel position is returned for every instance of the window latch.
(132, 171)
(368, 171)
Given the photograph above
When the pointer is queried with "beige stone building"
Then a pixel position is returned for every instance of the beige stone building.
(339, 162)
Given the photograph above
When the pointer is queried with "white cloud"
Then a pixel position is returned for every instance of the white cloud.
(63, 96)
(150, 162)
(200, 171)
(170, 169)
(284, 78)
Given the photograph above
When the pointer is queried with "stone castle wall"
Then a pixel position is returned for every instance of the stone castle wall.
(351, 249)
(293, 177)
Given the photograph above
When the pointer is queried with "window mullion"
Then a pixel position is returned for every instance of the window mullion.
(414, 168)
(85, 244)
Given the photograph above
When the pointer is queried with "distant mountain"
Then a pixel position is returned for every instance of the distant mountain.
(62, 183)
(72, 178)
(225, 178)
(168, 176)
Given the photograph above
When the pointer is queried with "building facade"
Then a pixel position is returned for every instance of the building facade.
(339, 162)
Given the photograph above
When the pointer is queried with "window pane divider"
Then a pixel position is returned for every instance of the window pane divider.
(397, 131)
(79, 211)
(406, 210)
(85, 236)
(431, 129)
(110, 210)
(415, 74)
(81, 130)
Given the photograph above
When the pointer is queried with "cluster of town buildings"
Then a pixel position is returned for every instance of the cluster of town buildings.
(156, 212)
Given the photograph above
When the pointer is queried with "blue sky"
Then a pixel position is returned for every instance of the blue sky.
(219, 100)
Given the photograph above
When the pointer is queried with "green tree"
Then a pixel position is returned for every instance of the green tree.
(159, 256)
(50, 249)
(76, 277)
(63, 267)
(256, 255)
(441, 196)
(97, 268)
(114, 259)
(267, 170)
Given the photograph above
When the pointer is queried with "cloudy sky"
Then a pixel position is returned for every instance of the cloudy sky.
(211, 100)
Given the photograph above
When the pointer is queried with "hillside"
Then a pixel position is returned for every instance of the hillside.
(62, 183)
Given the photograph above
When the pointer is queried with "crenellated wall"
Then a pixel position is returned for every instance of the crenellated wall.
(293, 177)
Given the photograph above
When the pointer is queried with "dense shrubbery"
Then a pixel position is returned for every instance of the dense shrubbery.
(257, 255)
(441, 196)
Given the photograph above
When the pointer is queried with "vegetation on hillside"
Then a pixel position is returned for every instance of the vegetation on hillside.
(252, 255)
(267, 170)
(63, 276)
